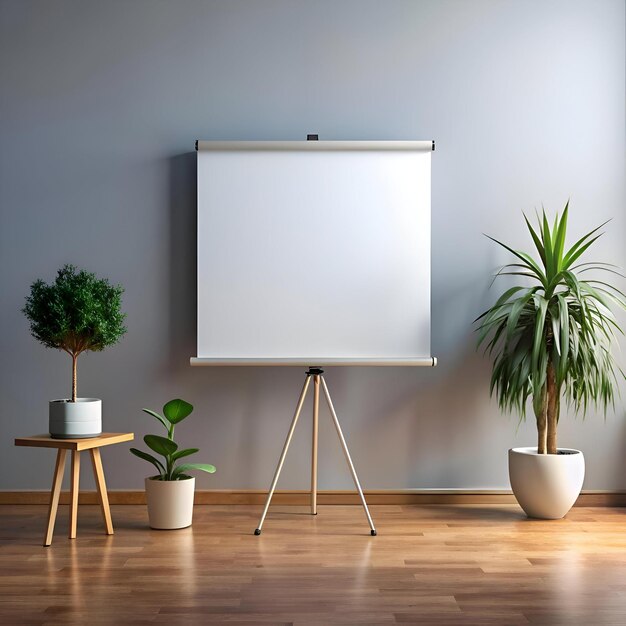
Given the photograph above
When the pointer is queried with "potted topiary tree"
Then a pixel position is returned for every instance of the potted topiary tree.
(552, 339)
(170, 493)
(76, 313)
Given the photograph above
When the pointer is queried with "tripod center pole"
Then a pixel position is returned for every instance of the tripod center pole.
(316, 374)
(314, 437)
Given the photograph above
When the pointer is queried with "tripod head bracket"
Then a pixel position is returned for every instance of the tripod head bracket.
(315, 371)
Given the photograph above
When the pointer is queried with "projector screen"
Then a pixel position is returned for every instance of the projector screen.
(314, 253)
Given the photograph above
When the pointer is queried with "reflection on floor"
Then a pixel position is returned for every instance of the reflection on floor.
(429, 565)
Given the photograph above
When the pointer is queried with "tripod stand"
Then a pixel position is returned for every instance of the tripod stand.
(318, 379)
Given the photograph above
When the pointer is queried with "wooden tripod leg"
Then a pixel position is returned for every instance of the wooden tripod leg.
(57, 481)
(316, 407)
(283, 454)
(346, 452)
(98, 473)
(74, 489)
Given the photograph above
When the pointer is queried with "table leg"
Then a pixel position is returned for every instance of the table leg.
(74, 489)
(54, 495)
(98, 473)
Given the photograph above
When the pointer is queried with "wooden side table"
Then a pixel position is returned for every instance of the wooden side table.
(92, 444)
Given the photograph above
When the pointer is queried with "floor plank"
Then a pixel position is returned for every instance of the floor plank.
(453, 564)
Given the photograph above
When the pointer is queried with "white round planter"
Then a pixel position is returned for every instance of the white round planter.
(170, 503)
(546, 485)
(75, 420)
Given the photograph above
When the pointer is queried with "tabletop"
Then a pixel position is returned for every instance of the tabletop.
(45, 441)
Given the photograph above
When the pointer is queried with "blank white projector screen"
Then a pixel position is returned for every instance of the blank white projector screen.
(314, 253)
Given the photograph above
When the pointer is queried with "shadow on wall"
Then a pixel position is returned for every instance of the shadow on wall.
(182, 298)
(210, 388)
(454, 409)
(420, 413)
(429, 412)
(424, 396)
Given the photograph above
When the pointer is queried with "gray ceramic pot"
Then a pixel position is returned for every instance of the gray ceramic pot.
(75, 420)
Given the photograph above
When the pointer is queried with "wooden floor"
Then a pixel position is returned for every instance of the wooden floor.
(428, 565)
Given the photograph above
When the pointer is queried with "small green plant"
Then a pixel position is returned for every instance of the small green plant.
(76, 313)
(174, 411)
(553, 337)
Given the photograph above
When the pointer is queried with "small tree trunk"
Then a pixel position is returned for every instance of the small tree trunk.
(542, 434)
(74, 357)
(542, 424)
(553, 408)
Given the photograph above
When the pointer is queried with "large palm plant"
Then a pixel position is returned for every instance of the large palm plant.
(553, 338)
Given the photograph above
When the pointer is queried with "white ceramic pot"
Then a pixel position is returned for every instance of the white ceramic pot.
(75, 420)
(546, 485)
(170, 503)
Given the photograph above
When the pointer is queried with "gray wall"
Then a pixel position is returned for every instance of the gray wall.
(100, 105)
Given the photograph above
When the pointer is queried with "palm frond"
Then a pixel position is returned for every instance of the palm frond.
(564, 319)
